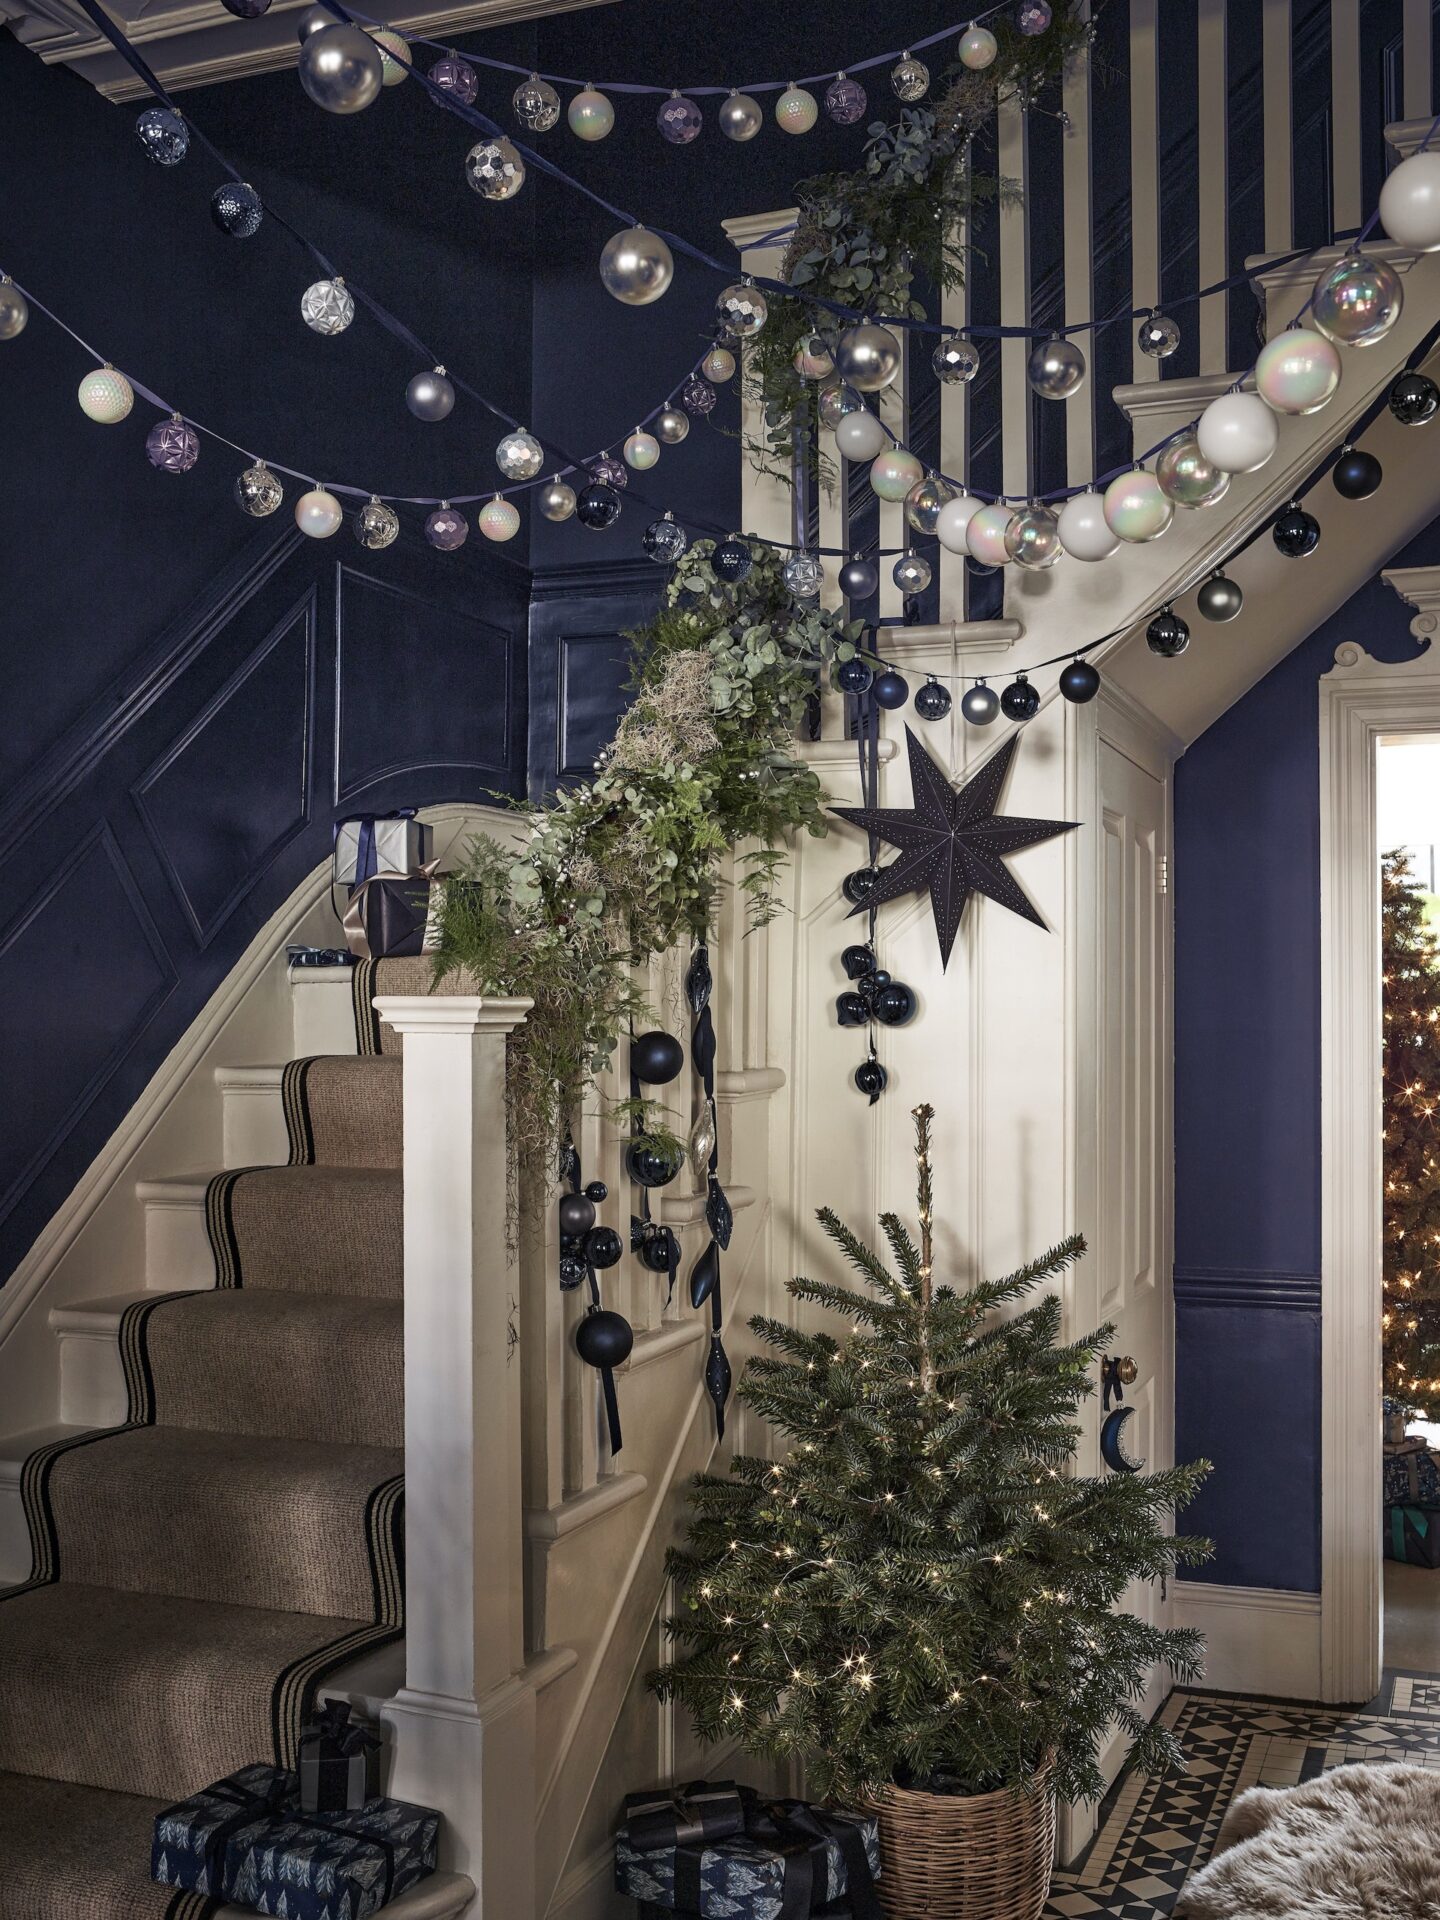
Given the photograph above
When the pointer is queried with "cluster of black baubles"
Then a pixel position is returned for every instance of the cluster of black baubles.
(603, 1338)
(705, 1274)
(583, 1244)
(980, 704)
(874, 995)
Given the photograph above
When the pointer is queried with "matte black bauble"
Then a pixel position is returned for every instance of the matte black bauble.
(857, 961)
(1167, 634)
(649, 1168)
(1219, 599)
(851, 1011)
(603, 1247)
(1296, 532)
(1357, 474)
(871, 1078)
(597, 506)
(705, 1275)
(577, 1215)
(1020, 700)
(597, 1191)
(859, 579)
(572, 1272)
(854, 676)
(1079, 681)
(895, 1004)
(857, 887)
(732, 560)
(1414, 398)
(656, 1057)
(603, 1338)
(890, 689)
(932, 702)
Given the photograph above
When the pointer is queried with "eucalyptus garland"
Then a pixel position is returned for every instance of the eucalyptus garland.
(622, 866)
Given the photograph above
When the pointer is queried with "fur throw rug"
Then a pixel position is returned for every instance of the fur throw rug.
(1357, 1843)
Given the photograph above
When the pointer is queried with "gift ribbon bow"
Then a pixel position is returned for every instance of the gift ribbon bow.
(334, 1726)
(801, 1835)
(357, 939)
(367, 859)
(699, 1811)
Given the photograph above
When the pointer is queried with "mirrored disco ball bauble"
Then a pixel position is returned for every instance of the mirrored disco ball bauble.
(956, 359)
(340, 69)
(327, 307)
(742, 309)
(1187, 477)
(859, 579)
(697, 396)
(1079, 682)
(498, 519)
(1083, 530)
(664, 541)
(803, 575)
(597, 506)
(447, 529)
(1297, 371)
(106, 396)
(375, 525)
(910, 79)
(456, 77)
(557, 501)
(1220, 598)
(932, 701)
(1357, 301)
(679, 120)
(430, 396)
(1135, 508)
(1020, 700)
(257, 491)
(318, 513)
(845, 100)
(718, 365)
(1158, 336)
(641, 450)
(671, 426)
(1033, 17)
(164, 136)
(796, 111)
(1413, 398)
(1056, 368)
(740, 117)
(236, 209)
(890, 689)
(14, 309)
(536, 104)
(1296, 533)
(495, 169)
(609, 471)
(980, 704)
(519, 455)
(390, 43)
(978, 48)
(911, 573)
(636, 266)
(985, 536)
(860, 436)
(1356, 475)
(1410, 202)
(867, 357)
(172, 445)
(1032, 539)
(1238, 433)
(811, 359)
(894, 472)
(924, 502)
(1167, 634)
(731, 561)
(590, 115)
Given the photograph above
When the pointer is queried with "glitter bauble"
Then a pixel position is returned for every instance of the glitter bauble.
(1356, 474)
(456, 77)
(641, 450)
(164, 136)
(812, 359)
(590, 115)
(1079, 682)
(1187, 477)
(609, 472)
(986, 535)
(557, 500)
(1296, 533)
(340, 68)
(1136, 510)
(1056, 368)
(636, 266)
(1020, 700)
(1158, 336)
(519, 455)
(447, 529)
(867, 357)
(978, 48)
(697, 396)
(894, 472)
(671, 426)
(664, 540)
(106, 396)
(740, 117)
(859, 579)
(742, 309)
(1410, 202)
(956, 359)
(924, 502)
(911, 573)
(495, 169)
(1238, 433)
(236, 209)
(845, 100)
(318, 514)
(1357, 301)
(803, 575)
(536, 105)
(1414, 397)
(375, 525)
(718, 365)
(391, 44)
(257, 491)
(890, 690)
(430, 396)
(796, 111)
(1032, 538)
(932, 701)
(836, 400)
(172, 445)
(14, 309)
(1167, 634)
(910, 79)
(498, 519)
(679, 120)
(860, 435)
(732, 561)
(326, 306)
(1033, 17)
(1083, 530)
(1219, 599)
(1297, 372)
(597, 506)
(980, 704)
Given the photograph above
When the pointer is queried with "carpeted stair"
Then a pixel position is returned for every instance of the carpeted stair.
(200, 1571)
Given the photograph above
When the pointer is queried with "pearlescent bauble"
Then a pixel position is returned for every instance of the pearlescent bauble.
(641, 450)
(1356, 474)
(257, 491)
(952, 523)
(956, 359)
(1414, 397)
(836, 400)
(498, 519)
(1238, 433)
(318, 513)
(812, 358)
(742, 309)
(1410, 202)
(679, 120)
(375, 525)
(924, 501)
(1056, 368)
(1296, 533)
(796, 111)
(609, 471)
(1020, 700)
(867, 357)
(1187, 477)
(557, 501)
(891, 690)
(236, 209)
(980, 704)
(1033, 17)
(894, 471)
(858, 578)
(718, 365)
(911, 573)
(447, 529)
(1032, 539)
(1135, 508)
(536, 105)
(1079, 682)
(671, 426)
(985, 536)
(430, 396)
(172, 445)
(495, 169)
(860, 436)
(314, 20)
(340, 69)
(636, 266)
(164, 136)
(391, 44)
(978, 48)
(1158, 336)
(1219, 599)
(932, 702)
(327, 307)
(106, 396)
(740, 117)
(597, 506)
(1357, 301)
(1167, 634)
(590, 114)
(1083, 530)
(803, 575)
(910, 79)
(697, 396)
(1297, 372)
(14, 309)
(664, 540)
(519, 455)
(845, 100)
(457, 78)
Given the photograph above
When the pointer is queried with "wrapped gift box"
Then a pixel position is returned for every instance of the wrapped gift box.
(700, 1811)
(339, 1761)
(791, 1860)
(379, 843)
(244, 1839)
(1412, 1477)
(1412, 1534)
(387, 917)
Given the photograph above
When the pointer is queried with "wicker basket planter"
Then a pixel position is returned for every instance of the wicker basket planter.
(984, 1856)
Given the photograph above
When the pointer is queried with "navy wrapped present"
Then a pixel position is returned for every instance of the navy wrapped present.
(1412, 1477)
(791, 1860)
(245, 1839)
(701, 1810)
(1412, 1534)
(339, 1761)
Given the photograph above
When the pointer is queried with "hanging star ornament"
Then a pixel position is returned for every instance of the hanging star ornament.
(952, 841)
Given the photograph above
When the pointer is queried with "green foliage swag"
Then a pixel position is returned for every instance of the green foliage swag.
(1410, 967)
(619, 867)
(918, 1593)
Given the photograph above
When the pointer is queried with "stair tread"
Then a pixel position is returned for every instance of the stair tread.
(16, 1448)
(102, 1313)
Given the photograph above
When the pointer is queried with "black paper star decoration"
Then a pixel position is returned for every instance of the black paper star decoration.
(952, 841)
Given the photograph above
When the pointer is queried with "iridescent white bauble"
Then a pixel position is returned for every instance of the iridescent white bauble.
(1297, 372)
(1032, 538)
(1238, 432)
(340, 69)
(375, 525)
(894, 471)
(495, 169)
(867, 357)
(978, 47)
(106, 396)
(1410, 203)
(742, 309)
(498, 520)
(590, 115)
(1357, 301)
(718, 364)
(924, 502)
(1056, 368)
(740, 117)
(636, 266)
(664, 540)
(860, 435)
(257, 491)
(1135, 508)
(911, 573)
(519, 455)
(986, 535)
(1158, 336)
(1187, 477)
(14, 309)
(836, 400)
(641, 450)
(390, 43)
(803, 575)
(910, 78)
(952, 523)
(1083, 530)
(671, 425)
(326, 306)
(797, 110)
(318, 513)
(557, 500)
(956, 359)
(430, 396)
(812, 359)
(536, 104)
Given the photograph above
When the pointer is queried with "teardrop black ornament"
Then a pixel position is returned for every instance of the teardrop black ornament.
(717, 1381)
(705, 1275)
(702, 1046)
(699, 981)
(718, 1217)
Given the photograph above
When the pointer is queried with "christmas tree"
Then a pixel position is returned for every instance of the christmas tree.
(1410, 964)
(920, 1592)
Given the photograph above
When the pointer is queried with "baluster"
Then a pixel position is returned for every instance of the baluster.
(1144, 173)
(954, 454)
(1348, 210)
(1418, 31)
(1012, 144)
(1213, 124)
(1079, 258)
(1279, 152)
(895, 412)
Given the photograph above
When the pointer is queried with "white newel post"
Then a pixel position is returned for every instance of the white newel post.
(463, 1725)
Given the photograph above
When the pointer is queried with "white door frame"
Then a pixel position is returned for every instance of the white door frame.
(1361, 700)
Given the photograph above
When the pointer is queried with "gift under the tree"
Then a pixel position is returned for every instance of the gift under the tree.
(245, 1839)
(1412, 1477)
(700, 1811)
(339, 1761)
(373, 843)
(791, 1860)
(1412, 1534)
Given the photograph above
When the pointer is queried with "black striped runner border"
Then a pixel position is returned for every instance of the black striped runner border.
(135, 1356)
(35, 1504)
(191, 1906)
(297, 1112)
(367, 1020)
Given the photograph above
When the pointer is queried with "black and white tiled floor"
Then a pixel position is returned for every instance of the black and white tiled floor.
(1153, 1833)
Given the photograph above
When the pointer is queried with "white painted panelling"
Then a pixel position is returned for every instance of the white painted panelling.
(1258, 1640)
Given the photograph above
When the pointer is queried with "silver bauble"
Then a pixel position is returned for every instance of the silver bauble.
(1158, 336)
(536, 104)
(1056, 368)
(257, 491)
(1220, 598)
(340, 69)
(980, 704)
(14, 309)
(836, 400)
(671, 426)
(519, 455)
(910, 78)
(636, 266)
(867, 356)
(430, 396)
(740, 117)
(956, 359)
(557, 500)
(326, 306)
(494, 169)
(803, 575)
(314, 20)
(375, 525)
(1032, 538)
(911, 573)
(924, 502)
(1357, 301)
(702, 1140)
(664, 540)
(742, 309)
(1187, 477)
(164, 136)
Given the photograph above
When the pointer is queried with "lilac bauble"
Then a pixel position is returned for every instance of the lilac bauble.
(1033, 17)
(845, 100)
(679, 120)
(172, 445)
(456, 77)
(447, 529)
(697, 396)
(607, 471)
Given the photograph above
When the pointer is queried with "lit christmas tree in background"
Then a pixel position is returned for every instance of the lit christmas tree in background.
(1410, 962)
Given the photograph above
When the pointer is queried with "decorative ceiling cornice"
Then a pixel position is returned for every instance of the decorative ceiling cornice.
(197, 43)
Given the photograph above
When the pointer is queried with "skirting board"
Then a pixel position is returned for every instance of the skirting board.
(1259, 1640)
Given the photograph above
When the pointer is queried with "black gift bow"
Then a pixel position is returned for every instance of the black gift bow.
(700, 1811)
(336, 1729)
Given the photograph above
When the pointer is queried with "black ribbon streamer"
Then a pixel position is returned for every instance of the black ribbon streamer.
(571, 1171)
(698, 985)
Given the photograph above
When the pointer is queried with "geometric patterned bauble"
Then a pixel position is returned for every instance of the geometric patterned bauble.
(326, 306)
(173, 446)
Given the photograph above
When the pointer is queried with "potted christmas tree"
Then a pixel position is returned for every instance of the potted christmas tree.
(918, 1600)
(1410, 962)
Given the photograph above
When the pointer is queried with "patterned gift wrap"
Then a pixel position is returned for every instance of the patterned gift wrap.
(1412, 1534)
(1412, 1478)
(744, 1877)
(243, 1839)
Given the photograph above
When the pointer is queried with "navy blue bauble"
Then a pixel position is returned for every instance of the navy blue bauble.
(573, 1271)
(597, 1191)
(236, 209)
(603, 1338)
(932, 702)
(732, 561)
(1356, 475)
(603, 1247)
(597, 506)
(1020, 700)
(859, 579)
(854, 676)
(895, 1004)
(1414, 398)
(890, 689)
(656, 1057)
(1167, 634)
(1079, 682)
(857, 887)
(1296, 532)
(649, 1168)
(871, 1078)
(851, 1011)
(857, 961)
